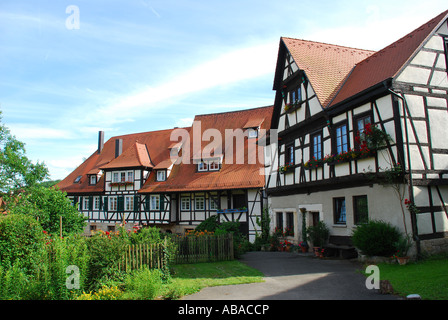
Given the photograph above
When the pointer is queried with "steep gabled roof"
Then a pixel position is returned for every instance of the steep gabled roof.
(386, 63)
(240, 174)
(144, 149)
(325, 65)
(135, 156)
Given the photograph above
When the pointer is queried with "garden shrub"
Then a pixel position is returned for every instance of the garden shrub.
(209, 224)
(143, 284)
(22, 242)
(105, 251)
(376, 238)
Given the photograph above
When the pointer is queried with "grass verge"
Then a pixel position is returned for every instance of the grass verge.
(190, 278)
(427, 278)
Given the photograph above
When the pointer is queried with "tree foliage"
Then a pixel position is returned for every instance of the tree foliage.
(16, 170)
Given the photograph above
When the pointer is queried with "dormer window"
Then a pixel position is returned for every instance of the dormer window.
(252, 133)
(202, 166)
(161, 175)
(211, 165)
(92, 179)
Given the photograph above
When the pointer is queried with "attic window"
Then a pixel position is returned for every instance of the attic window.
(252, 132)
(92, 180)
(161, 175)
(78, 179)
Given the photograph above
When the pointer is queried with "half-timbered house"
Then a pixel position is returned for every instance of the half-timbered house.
(176, 178)
(334, 161)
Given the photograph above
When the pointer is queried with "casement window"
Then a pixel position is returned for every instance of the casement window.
(289, 154)
(96, 203)
(92, 180)
(316, 146)
(86, 203)
(113, 204)
(115, 177)
(213, 166)
(360, 209)
(202, 166)
(161, 175)
(279, 220)
(252, 133)
(213, 203)
(295, 95)
(361, 123)
(341, 134)
(339, 211)
(154, 202)
(199, 203)
(123, 176)
(290, 223)
(130, 176)
(185, 203)
(129, 203)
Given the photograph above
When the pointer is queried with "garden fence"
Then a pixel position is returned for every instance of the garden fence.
(206, 248)
(188, 249)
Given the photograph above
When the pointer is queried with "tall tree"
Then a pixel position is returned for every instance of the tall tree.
(16, 170)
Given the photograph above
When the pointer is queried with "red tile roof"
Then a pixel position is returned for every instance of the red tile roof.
(152, 149)
(325, 65)
(140, 149)
(184, 177)
(135, 156)
(385, 64)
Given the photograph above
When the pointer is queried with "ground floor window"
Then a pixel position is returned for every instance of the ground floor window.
(279, 220)
(360, 209)
(339, 211)
(289, 230)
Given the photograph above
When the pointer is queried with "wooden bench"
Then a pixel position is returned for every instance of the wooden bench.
(340, 246)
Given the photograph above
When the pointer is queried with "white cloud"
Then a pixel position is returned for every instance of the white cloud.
(230, 68)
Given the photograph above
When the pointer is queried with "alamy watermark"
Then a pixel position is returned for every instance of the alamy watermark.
(373, 280)
(73, 20)
(72, 281)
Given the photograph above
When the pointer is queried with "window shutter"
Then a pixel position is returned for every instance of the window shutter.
(120, 203)
(90, 203)
(162, 202)
(147, 203)
(136, 203)
(106, 204)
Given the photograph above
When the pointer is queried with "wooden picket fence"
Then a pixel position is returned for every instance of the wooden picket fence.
(188, 249)
(206, 248)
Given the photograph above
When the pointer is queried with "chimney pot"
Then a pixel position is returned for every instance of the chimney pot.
(100, 141)
(118, 147)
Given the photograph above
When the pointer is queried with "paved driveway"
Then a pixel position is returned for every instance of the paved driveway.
(292, 276)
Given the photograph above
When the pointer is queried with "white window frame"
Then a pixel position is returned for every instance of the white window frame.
(202, 166)
(199, 203)
(154, 202)
(213, 166)
(185, 204)
(85, 203)
(130, 176)
(161, 175)
(96, 203)
(252, 133)
(128, 203)
(212, 204)
(113, 203)
(115, 177)
(93, 179)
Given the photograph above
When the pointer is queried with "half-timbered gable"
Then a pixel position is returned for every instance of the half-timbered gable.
(376, 141)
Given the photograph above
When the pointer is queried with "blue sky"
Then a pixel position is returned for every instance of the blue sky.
(143, 65)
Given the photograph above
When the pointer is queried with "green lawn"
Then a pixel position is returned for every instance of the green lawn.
(191, 278)
(428, 278)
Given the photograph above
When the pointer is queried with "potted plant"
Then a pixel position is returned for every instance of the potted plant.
(303, 246)
(402, 247)
(318, 235)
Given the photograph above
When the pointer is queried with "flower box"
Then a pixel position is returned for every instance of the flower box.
(122, 183)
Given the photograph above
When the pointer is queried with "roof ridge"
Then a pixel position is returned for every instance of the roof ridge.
(329, 44)
(234, 111)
